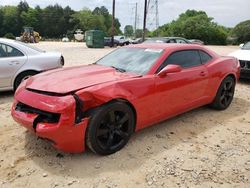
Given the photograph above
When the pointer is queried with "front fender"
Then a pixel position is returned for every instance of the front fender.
(99, 95)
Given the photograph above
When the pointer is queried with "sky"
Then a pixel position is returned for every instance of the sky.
(225, 12)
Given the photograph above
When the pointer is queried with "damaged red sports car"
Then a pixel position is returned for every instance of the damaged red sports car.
(102, 104)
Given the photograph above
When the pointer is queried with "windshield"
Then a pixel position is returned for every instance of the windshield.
(135, 60)
(246, 46)
(30, 46)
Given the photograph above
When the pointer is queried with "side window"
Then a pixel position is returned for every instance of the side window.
(3, 50)
(180, 41)
(185, 58)
(13, 52)
(171, 41)
(204, 57)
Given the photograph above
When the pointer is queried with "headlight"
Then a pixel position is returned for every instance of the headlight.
(78, 110)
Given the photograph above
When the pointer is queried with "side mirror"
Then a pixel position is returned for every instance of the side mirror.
(241, 45)
(169, 69)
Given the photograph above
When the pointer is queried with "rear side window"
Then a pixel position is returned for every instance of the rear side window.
(8, 51)
(185, 58)
(3, 51)
(204, 57)
(180, 41)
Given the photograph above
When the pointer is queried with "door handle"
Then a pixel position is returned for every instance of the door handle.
(202, 73)
(14, 63)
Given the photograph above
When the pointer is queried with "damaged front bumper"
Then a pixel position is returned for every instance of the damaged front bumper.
(51, 118)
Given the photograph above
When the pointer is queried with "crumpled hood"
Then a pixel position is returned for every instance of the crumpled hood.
(241, 55)
(68, 80)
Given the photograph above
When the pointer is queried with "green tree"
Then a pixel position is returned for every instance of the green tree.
(10, 20)
(1, 22)
(22, 7)
(242, 31)
(194, 24)
(103, 11)
(53, 21)
(85, 20)
(138, 33)
(30, 18)
(128, 31)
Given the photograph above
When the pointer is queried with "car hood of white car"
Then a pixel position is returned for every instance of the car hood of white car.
(241, 55)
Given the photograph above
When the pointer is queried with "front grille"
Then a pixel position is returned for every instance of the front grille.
(43, 116)
(245, 64)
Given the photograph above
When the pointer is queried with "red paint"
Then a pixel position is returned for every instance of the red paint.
(154, 98)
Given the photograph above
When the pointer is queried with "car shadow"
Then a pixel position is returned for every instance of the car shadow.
(244, 81)
(6, 97)
(143, 145)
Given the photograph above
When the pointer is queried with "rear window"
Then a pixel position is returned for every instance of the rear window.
(204, 57)
(30, 46)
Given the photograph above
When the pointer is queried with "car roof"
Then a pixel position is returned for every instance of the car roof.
(10, 41)
(165, 45)
(165, 38)
(173, 47)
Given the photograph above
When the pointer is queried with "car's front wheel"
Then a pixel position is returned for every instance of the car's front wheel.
(225, 94)
(23, 76)
(110, 128)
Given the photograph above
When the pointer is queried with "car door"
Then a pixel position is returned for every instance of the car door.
(180, 91)
(11, 59)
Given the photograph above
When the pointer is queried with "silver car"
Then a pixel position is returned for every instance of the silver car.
(18, 61)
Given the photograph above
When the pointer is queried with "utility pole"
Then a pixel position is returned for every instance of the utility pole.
(135, 20)
(113, 24)
(144, 20)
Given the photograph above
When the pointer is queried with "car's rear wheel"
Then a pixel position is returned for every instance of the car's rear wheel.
(110, 128)
(23, 76)
(224, 94)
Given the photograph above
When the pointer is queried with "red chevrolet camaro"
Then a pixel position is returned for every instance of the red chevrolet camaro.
(102, 104)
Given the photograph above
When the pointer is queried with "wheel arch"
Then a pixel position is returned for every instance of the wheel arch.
(232, 76)
(21, 72)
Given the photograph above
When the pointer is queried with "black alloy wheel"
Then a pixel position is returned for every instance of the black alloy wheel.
(110, 128)
(224, 94)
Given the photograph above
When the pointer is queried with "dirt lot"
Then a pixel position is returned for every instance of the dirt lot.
(202, 148)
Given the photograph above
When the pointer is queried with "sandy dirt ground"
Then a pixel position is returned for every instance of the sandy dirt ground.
(201, 148)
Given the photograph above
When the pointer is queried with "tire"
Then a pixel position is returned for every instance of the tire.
(23, 76)
(110, 128)
(225, 94)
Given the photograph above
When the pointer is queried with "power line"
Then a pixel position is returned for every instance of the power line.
(152, 15)
(135, 20)
(144, 20)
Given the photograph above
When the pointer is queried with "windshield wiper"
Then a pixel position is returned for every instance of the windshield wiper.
(119, 69)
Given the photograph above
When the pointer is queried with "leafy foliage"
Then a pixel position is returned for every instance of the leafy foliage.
(242, 32)
(9, 36)
(54, 21)
(194, 25)
(128, 31)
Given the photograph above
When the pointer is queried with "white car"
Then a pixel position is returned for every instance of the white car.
(243, 55)
(122, 40)
(18, 61)
(65, 39)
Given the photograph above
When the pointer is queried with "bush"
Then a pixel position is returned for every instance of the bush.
(194, 25)
(9, 36)
(242, 32)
